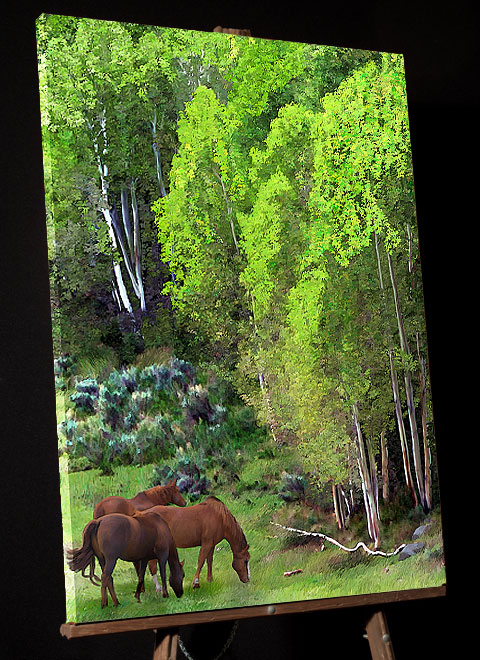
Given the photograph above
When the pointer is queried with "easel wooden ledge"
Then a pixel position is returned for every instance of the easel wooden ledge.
(166, 626)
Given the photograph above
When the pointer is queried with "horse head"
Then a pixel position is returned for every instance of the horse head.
(174, 493)
(176, 578)
(240, 564)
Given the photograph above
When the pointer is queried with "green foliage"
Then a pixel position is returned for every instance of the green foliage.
(189, 473)
(284, 179)
(292, 487)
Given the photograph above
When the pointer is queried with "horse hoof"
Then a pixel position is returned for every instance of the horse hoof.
(196, 584)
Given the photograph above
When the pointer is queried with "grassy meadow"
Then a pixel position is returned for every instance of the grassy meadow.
(328, 573)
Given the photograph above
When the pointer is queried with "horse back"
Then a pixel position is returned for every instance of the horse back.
(191, 526)
(141, 502)
(126, 537)
(114, 504)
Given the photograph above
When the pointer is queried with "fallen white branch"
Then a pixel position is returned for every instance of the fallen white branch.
(360, 544)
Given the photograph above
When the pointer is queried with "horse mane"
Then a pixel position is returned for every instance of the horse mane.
(154, 493)
(229, 520)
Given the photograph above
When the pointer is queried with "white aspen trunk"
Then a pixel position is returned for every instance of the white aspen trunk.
(408, 390)
(368, 493)
(395, 390)
(121, 290)
(229, 211)
(373, 474)
(385, 480)
(127, 259)
(268, 405)
(115, 295)
(345, 504)
(156, 152)
(341, 505)
(126, 219)
(426, 448)
(401, 430)
(137, 249)
(336, 507)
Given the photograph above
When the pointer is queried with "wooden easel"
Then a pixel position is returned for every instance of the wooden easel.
(166, 626)
(166, 643)
(379, 637)
(381, 648)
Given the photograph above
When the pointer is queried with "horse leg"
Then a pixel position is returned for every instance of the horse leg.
(209, 565)
(107, 582)
(162, 565)
(152, 565)
(137, 565)
(141, 567)
(202, 555)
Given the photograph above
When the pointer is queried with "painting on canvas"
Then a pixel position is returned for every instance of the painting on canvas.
(241, 365)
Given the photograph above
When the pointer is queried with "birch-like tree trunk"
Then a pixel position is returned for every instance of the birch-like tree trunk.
(423, 406)
(156, 152)
(385, 479)
(395, 389)
(370, 500)
(337, 507)
(417, 461)
(123, 239)
(137, 248)
(229, 211)
(401, 430)
(120, 291)
(130, 243)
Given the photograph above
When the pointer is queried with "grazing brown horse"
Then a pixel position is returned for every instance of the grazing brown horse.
(131, 538)
(206, 524)
(168, 494)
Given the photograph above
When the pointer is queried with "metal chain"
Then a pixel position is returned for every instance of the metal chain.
(224, 648)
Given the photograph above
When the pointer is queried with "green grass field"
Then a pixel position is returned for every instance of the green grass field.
(325, 574)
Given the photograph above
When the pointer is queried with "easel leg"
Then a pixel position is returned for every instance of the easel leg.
(379, 637)
(166, 642)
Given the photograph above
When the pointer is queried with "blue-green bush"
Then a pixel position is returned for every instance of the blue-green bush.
(292, 487)
(189, 471)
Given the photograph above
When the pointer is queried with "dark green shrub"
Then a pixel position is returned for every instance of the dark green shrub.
(86, 395)
(188, 473)
(292, 487)
(90, 441)
(64, 366)
(126, 345)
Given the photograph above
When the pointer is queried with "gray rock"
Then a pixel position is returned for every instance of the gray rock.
(420, 531)
(410, 550)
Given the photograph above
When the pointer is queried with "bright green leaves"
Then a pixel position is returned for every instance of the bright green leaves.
(196, 221)
(325, 451)
(362, 139)
(255, 68)
(263, 234)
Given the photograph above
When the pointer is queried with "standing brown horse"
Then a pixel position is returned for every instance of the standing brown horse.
(131, 538)
(206, 524)
(168, 494)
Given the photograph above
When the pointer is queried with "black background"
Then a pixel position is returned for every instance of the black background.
(439, 42)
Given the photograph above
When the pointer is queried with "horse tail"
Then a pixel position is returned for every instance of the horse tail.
(79, 559)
